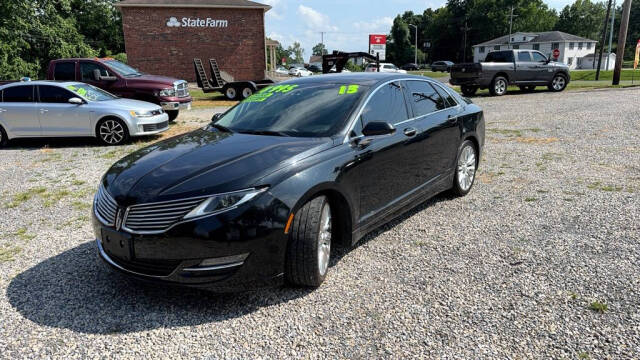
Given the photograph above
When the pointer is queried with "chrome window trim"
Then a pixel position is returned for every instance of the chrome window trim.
(352, 123)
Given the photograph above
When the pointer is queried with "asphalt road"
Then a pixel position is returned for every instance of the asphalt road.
(540, 260)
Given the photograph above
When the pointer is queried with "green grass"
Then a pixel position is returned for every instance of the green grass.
(78, 182)
(429, 73)
(604, 75)
(530, 199)
(598, 307)
(8, 253)
(23, 235)
(198, 94)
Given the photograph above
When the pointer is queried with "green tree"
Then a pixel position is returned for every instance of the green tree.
(399, 49)
(583, 18)
(100, 23)
(319, 50)
(297, 52)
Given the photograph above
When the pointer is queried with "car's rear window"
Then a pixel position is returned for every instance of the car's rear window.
(305, 110)
(64, 71)
(500, 56)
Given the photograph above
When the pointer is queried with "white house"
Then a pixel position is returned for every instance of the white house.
(575, 51)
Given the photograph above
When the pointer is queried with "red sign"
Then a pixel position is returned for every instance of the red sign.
(556, 53)
(377, 39)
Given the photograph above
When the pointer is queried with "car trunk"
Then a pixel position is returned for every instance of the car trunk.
(466, 70)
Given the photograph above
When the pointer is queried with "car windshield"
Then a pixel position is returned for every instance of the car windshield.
(123, 70)
(303, 110)
(90, 92)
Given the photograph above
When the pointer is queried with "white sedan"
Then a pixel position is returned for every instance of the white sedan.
(299, 72)
(384, 67)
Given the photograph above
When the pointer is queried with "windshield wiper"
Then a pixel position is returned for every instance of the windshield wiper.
(222, 128)
(263, 132)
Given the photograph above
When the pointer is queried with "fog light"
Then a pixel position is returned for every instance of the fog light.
(224, 260)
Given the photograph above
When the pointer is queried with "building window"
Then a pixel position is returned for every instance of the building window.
(516, 46)
(536, 46)
(524, 38)
(570, 46)
(555, 46)
(497, 47)
(513, 39)
(579, 46)
(481, 50)
(570, 61)
(588, 46)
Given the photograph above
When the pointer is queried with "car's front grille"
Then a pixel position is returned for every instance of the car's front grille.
(182, 89)
(154, 127)
(147, 267)
(105, 206)
(158, 217)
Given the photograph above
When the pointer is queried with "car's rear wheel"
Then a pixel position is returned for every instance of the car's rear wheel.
(498, 86)
(173, 114)
(4, 140)
(309, 248)
(468, 90)
(112, 131)
(558, 83)
(466, 166)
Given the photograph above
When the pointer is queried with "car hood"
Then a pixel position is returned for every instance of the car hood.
(129, 104)
(203, 162)
(152, 79)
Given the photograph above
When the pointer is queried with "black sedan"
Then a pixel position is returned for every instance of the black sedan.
(444, 66)
(261, 195)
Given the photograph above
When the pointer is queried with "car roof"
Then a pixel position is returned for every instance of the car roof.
(356, 78)
(41, 82)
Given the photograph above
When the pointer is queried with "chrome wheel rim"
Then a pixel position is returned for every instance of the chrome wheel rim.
(500, 87)
(324, 239)
(466, 168)
(558, 83)
(246, 92)
(111, 132)
(231, 93)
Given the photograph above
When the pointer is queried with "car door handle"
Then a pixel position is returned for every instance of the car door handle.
(452, 118)
(42, 111)
(410, 131)
(2, 110)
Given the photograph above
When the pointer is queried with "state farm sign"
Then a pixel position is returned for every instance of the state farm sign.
(378, 45)
(197, 22)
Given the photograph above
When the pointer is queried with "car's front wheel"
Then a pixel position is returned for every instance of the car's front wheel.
(465, 171)
(173, 114)
(309, 248)
(3, 138)
(558, 83)
(112, 131)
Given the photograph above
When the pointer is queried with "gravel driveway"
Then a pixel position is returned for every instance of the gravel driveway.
(540, 260)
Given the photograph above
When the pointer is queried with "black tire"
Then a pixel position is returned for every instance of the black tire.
(246, 92)
(558, 83)
(117, 137)
(468, 90)
(230, 92)
(499, 86)
(4, 140)
(302, 264)
(173, 114)
(458, 189)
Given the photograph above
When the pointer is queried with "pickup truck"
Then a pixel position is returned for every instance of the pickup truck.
(124, 81)
(524, 68)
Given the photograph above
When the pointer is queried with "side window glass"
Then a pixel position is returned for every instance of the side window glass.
(523, 56)
(538, 57)
(65, 71)
(86, 69)
(424, 98)
(54, 94)
(446, 95)
(387, 104)
(22, 93)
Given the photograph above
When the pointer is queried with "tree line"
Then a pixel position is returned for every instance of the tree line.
(449, 32)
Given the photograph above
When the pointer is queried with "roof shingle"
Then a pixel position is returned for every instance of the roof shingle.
(544, 36)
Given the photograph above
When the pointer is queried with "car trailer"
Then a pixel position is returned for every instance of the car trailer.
(235, 90)
(339, 60)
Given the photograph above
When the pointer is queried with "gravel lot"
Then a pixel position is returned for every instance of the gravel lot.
(517, 269)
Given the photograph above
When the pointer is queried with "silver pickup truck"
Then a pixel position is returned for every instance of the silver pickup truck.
(524, 68)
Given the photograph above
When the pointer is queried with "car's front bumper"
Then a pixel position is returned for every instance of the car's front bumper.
(149, 126)
(176, 103)
(244, 249)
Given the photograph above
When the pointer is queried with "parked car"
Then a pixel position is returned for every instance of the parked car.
(384, 67)
(315, 67)
(54, 109)
(444, 66)
(299, 72)
(410, 67)
(125, 81)
(282, 70)
(525, 68)
(264, 192)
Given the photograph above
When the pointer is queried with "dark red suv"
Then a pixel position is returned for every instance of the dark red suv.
(125, 81)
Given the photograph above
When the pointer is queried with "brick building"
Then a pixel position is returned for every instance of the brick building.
(163, 36)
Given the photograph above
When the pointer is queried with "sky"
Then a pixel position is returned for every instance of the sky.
(346, 23)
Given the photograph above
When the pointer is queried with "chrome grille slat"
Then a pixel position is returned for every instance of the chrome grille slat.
(166, 205)
(105, 206)
(158, 217)
(160, 210)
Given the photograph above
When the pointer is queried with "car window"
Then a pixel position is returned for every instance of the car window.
(20, 93)
(446, 95)
(538, 57)
(387, 104)
(64, 71)
(54, 94)
(499, 56)
(424, 98)
(86, 70)
(91, 92)
(524, 56)
(304, 110)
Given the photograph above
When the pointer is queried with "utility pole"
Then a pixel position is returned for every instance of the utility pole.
(464, 45)
(416, 42)
(511, 16)
(613, 17)
(604, 36)
(622, 38)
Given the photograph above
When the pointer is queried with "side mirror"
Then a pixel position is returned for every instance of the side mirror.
(376, 128)
(76, 101)
(215, 117)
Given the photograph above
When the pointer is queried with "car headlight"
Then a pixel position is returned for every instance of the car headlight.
(167, 92)
(224, 202)
(141, 114)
